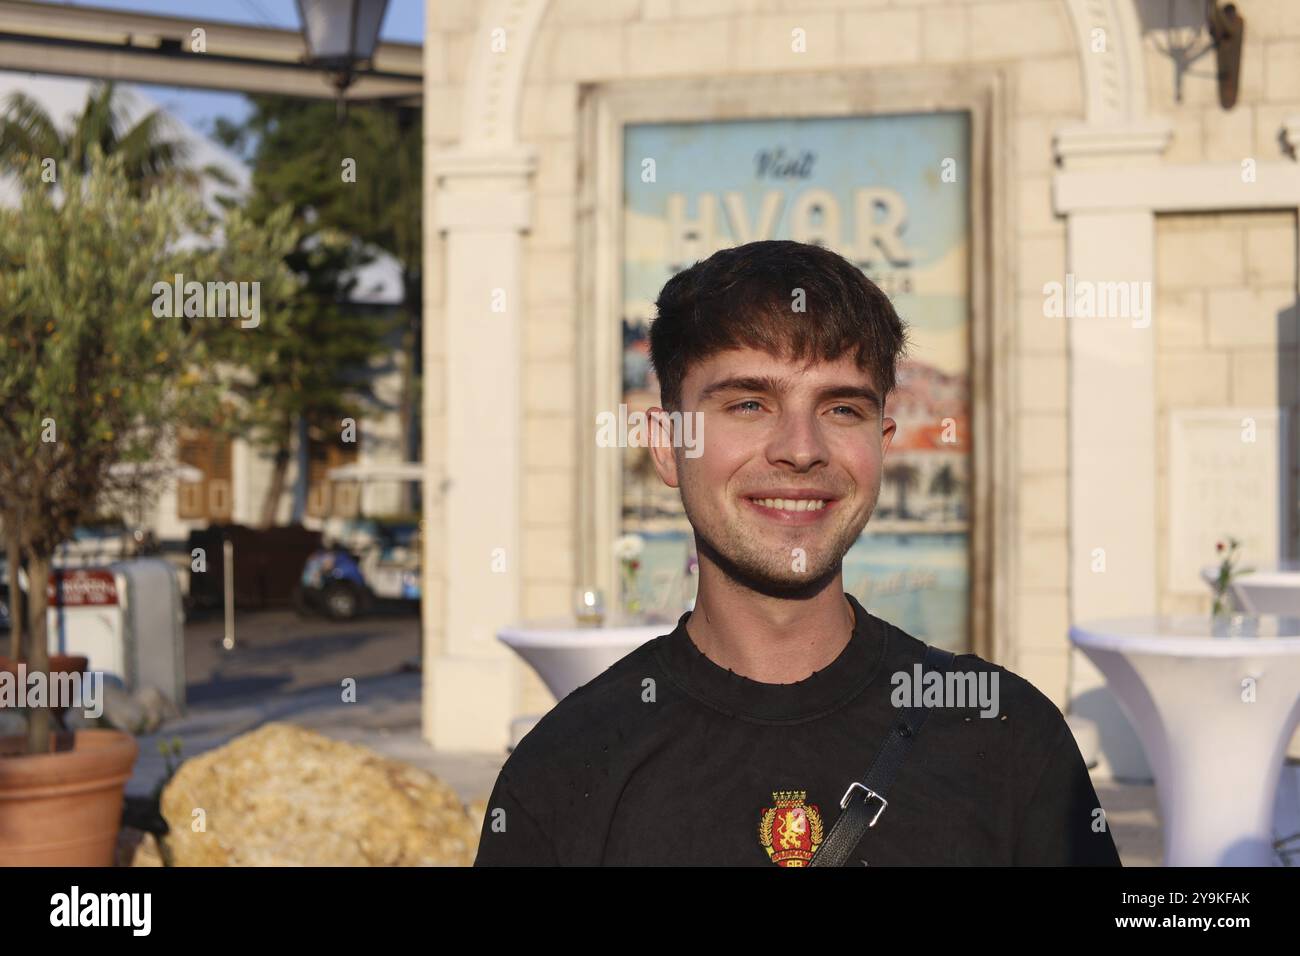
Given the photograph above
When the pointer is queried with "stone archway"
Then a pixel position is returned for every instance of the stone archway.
(1114, 77)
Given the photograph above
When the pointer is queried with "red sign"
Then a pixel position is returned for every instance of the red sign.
(76, 587)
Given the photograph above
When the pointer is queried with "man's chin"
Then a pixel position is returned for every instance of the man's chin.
(791, 586)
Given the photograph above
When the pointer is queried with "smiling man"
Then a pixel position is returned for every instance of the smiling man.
(744, 735)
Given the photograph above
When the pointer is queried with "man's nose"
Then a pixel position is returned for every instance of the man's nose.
(798, 441)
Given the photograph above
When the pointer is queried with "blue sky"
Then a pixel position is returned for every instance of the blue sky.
(404, 21)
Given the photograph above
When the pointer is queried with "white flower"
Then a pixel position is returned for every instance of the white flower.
(628, 547)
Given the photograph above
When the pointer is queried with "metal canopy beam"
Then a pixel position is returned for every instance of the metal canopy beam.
(92, 42)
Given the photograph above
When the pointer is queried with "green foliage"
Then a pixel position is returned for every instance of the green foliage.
(171, 754)
(305, 363)
(84, 360)
(92, 374)
(300, 149)
(313, 368)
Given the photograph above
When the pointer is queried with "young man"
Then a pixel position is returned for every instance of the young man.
(732, 740)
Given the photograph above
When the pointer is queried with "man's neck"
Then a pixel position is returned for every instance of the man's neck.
(768, 639)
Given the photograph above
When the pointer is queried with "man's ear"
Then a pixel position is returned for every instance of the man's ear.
(661, 445)
(887, 429)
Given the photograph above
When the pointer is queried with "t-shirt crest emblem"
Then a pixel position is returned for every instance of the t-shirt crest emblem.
(790, 830)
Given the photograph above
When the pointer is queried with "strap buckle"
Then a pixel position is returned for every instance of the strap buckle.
(844, 800)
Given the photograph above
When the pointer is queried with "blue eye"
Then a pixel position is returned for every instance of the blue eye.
(753, 401)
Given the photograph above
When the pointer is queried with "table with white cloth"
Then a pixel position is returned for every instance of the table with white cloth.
(1214, 702)
(566, 654)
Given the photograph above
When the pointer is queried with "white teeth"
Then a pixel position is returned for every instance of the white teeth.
(790, 504)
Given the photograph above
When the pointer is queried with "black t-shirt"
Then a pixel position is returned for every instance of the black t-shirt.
(667, 758)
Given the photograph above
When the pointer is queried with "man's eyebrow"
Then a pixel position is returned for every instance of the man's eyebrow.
(772, 386)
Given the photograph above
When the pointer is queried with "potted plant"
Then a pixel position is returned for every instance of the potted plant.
(1228, 572)
(62, 803)
(1226, 620)
(93, 374)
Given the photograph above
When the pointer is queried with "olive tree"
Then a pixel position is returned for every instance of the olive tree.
(99, 358)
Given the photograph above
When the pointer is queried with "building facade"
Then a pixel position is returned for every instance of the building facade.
(1124, 287)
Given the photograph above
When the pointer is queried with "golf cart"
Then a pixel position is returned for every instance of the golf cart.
(364, 560)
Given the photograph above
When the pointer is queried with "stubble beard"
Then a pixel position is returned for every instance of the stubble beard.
(770, 569)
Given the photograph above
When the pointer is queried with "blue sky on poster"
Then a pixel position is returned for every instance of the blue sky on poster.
(903, 153)
(404, 22)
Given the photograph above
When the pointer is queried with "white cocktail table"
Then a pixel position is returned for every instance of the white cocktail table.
(567, 655)
(1214, 706)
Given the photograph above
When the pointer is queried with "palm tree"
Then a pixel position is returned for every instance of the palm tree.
(945, 484)
(903, 476)
(28, 133)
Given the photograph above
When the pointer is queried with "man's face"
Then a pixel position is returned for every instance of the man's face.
(778, 429)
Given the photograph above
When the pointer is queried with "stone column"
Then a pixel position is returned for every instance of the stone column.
(1112, 402)
(480, 205)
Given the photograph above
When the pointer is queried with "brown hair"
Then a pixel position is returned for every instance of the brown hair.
(742, 297)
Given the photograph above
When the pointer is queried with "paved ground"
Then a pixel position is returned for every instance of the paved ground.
(279, 652)
(285, 667)
(1134, 818)
(289, 668)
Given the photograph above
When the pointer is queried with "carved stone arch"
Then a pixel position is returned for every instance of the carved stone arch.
(495, 78)
(1107, 33)
(1114, 75)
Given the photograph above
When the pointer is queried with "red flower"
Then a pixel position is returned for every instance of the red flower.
(1218, 546)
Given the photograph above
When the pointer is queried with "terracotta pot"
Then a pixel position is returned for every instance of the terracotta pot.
(64, 808)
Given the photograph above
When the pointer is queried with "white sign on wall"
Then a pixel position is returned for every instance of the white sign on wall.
(1227, 476)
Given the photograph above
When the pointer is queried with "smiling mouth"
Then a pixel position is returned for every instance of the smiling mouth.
(792, 512)
(793, 504)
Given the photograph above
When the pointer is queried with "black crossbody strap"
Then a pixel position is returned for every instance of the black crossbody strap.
(864, 801)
